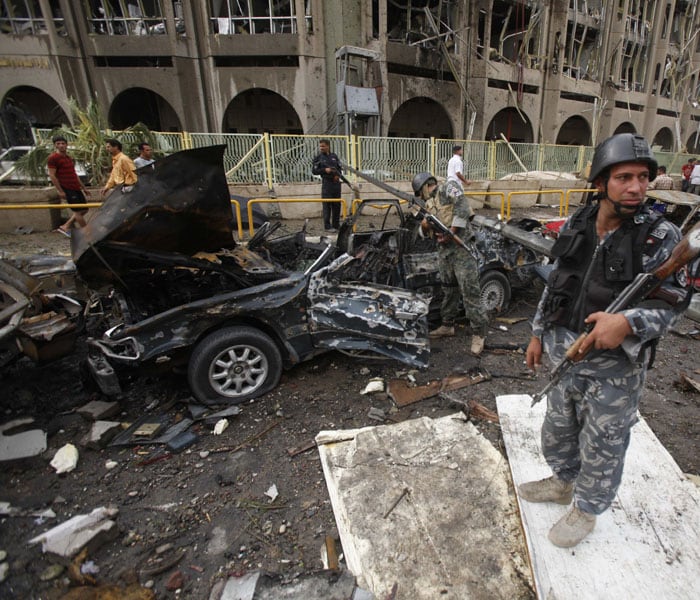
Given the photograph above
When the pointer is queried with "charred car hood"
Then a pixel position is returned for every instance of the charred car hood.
(181, 205)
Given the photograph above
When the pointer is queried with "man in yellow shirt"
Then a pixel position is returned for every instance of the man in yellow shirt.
(122, 168)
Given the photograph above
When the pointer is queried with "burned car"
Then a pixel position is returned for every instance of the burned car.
(176, 289)
(386, 237)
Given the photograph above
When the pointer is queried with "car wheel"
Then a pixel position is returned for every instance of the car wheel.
(495, 291)
(234, 364)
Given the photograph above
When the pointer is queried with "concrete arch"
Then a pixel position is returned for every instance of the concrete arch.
(141, 105)
(664, 139)
(575, 131)
(625, 127)
(509, 122)
(259, 110)
(421, 117)
(693, 143)
(41, 108)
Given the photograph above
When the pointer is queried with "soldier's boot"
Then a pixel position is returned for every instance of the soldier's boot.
(571, 528)
(477, 345)
(547, 490)
(442, 331)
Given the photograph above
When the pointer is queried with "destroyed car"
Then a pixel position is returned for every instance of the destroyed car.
(175, 289)
(680, 208)
(387, 238)
(41, 315)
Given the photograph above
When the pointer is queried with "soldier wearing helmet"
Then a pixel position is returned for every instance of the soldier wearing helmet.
(459, 271)
(591, 411)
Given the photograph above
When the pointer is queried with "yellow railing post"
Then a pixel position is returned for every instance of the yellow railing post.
(268, 161)
(568, 195)
(491, 168)
(237, 206)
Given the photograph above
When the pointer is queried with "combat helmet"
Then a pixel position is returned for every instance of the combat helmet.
(621, 148)
(420, 180)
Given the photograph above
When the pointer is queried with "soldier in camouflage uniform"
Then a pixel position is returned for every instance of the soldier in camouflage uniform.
(591, 411)
(459, 271)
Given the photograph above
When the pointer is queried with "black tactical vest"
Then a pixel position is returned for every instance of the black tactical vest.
(590, 276)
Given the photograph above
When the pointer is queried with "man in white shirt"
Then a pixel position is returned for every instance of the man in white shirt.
(694, 187)
(145, 156)
(455, 168)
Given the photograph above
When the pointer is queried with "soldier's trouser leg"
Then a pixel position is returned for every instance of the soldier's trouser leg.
(450, 299)
(335, 214)
(467, 274)
(327, 215)
(586, 432)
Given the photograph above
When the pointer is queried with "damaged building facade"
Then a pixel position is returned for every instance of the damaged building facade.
(565, 71)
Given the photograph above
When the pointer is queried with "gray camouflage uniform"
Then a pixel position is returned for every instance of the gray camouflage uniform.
(591, 411)
(459, 271)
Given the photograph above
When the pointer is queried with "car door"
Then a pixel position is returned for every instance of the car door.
(367, 318)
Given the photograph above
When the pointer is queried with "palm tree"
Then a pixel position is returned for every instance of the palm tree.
(86, 145)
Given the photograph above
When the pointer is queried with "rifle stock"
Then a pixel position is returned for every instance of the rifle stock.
(643, 286)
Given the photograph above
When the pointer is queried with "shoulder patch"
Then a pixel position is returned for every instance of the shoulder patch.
(660, 230)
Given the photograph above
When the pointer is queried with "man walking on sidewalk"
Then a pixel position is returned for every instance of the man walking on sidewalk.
(64, 178)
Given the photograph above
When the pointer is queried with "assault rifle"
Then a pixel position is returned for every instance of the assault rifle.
(354, 188)
(643, 286)
(418, 203)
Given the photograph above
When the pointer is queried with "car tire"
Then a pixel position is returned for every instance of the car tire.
(495, 291)
(234, 364)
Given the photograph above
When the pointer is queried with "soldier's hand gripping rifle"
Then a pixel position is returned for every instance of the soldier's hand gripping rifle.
(418, 203)
(643, 286)
(353, 187)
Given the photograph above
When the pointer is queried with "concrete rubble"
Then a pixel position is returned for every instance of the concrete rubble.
(21, 445)
(69, 538)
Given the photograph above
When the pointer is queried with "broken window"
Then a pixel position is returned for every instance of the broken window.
(514, 33)
(679, 62)
(24, 17)
(408, 23)
(635, 48)
(131, 17)
(581, 51)
(582, 48)
(230, 17)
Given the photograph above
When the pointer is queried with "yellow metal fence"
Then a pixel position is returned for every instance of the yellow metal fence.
(273, 159)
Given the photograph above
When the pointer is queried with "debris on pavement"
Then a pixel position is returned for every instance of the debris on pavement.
(65, 459)
(510, 320)
(7, 510)
(143, 430)
(404, 394)
(100, 434)
(69, 538)
(182, 441)
(98, 410)
(375, 385)
(21, 445)
(220, 426)
(376, 414)
(272, 493)
(688, 383)
(302, 448)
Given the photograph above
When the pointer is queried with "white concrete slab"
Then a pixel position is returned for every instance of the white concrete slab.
(21, 445)
(646, 546)
(455, 536)
(71, 536)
